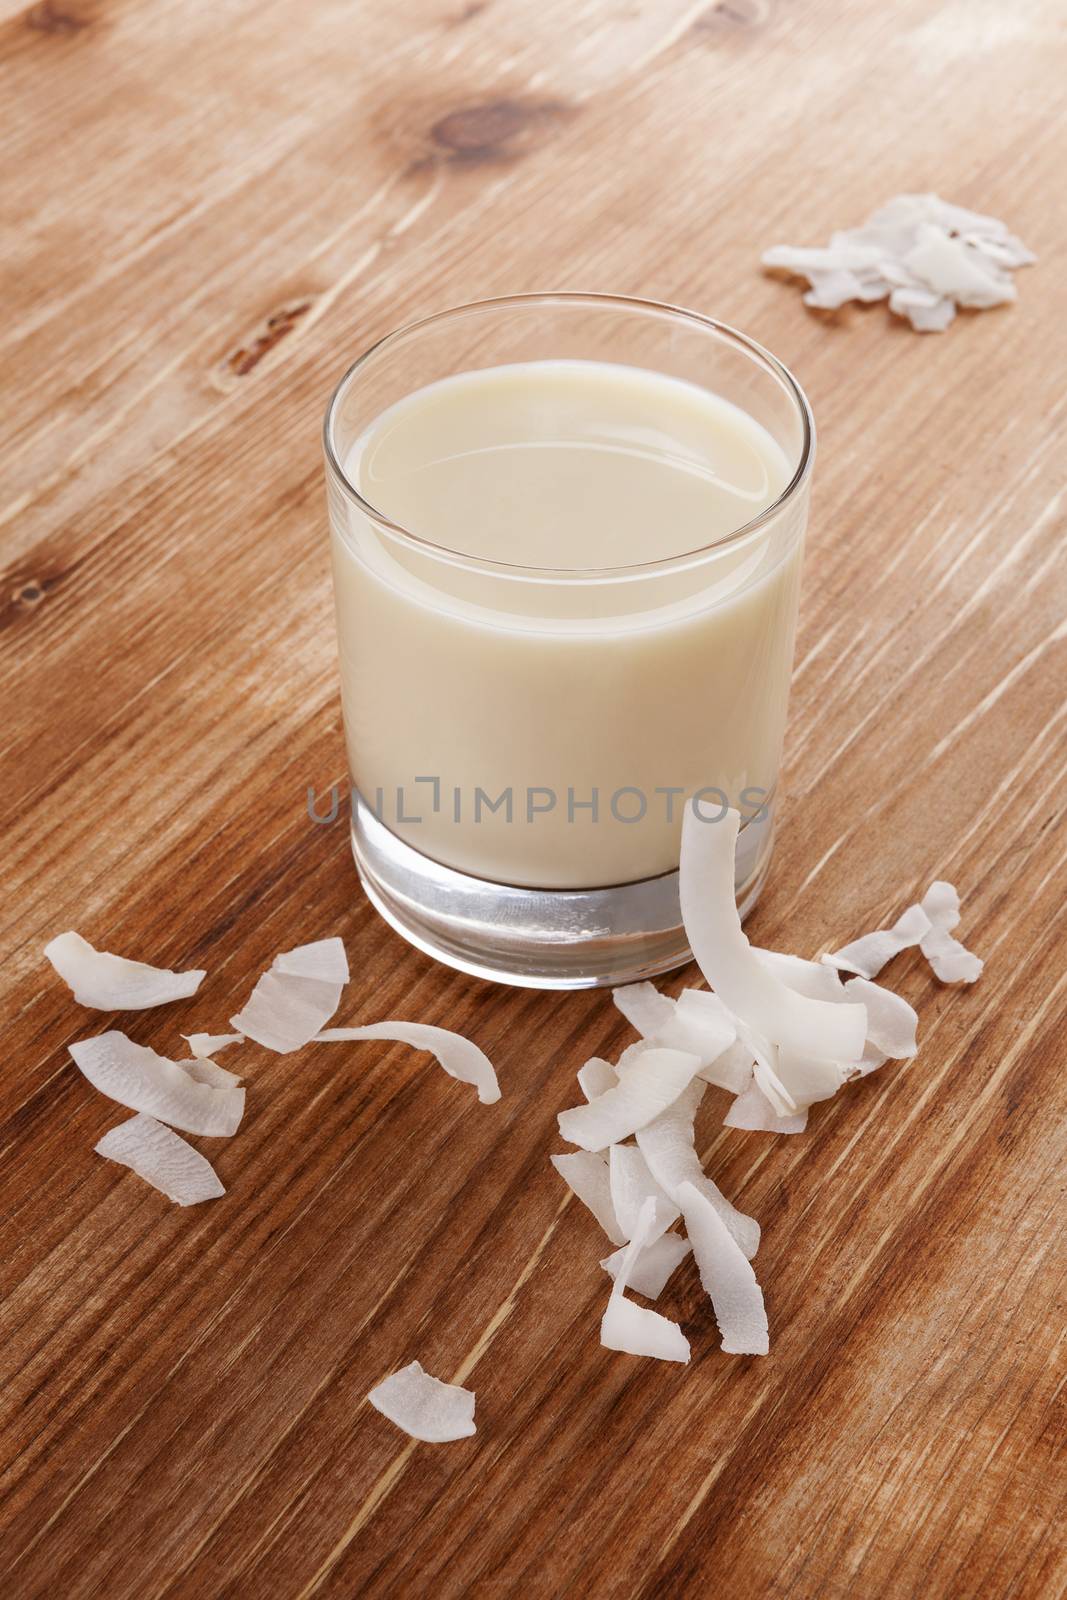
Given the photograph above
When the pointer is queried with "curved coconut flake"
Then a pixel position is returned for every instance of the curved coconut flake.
(728, 1279)
(113, 983)
(753, 1112)
(631, 1185)
(951, 961)
(596, 1077)
(460, 1057)
(204, 1045)
(732, 1070)
(143, 1081)
(587, 1176)
(163, 1159)
(293, 1000)
(203, 1070)
(731, 966)
(892, 1023)
(424, 1407)
(868, 955)
(651, 1082)
(668, 1147)
(638, 1330)
(654, 1265)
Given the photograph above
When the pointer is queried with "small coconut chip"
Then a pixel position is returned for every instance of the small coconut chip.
(141, 1080)
(651, 1080)
(587, 1176)
(638, 1330)
(208, 1044)
(922, 254)
(892, 1024)
(727, 1277)
(868, 955)
(296, 997)
(163, 1159)
(112, 983)
(460, 1057)
(203, 1070)
(667, 1145)
(424, 1407)
(596, 1077)
(653, 1267)
(733, 969)
(753, 1112)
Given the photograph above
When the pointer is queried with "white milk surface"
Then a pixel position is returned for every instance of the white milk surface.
(545, 688)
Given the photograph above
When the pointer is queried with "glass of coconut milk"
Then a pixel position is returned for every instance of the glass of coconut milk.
(566, 536)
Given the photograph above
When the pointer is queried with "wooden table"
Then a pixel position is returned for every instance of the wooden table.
(215, 207)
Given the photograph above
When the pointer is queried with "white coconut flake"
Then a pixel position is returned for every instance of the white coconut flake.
(655, 1264)
(753, 1112)
(806, 1081)
(868, 955)
(587, 1176)
(697, 1021)
(668, 1146)
(644, 1008)
(927, 255)
(727, 1278)
(651, 1082)
(733, 969)
(112, 983)
(208, 1044)
(638, 1330)
(813, 978)
(892, 1023)
(596, 1077)
(141, 1080)
(951, 961)
(203, 1070)
(460, 1057)
(631, 1185)
(296, 997)
(163, 1159)
(424, 1407)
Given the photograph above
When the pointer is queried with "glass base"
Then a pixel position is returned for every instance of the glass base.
(538, 938)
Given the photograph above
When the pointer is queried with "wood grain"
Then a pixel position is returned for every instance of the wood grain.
(209, 211)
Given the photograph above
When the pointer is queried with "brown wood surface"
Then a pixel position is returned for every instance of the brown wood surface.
(209, 209)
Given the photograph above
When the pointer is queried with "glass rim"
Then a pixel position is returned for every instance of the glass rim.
(618, 302)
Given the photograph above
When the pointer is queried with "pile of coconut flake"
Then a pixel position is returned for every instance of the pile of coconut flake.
(779, 1033)
(925, 255)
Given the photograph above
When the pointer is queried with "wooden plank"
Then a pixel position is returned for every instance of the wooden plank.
(209, 210)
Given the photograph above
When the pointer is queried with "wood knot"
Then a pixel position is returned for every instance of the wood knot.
(29, 594)
(277, 326)
(50, 18)
(727, 16)
(498, 130)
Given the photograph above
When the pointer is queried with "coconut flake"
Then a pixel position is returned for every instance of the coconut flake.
(697, 1022)
(638, 1330)
(753, 1112)
(163, 1159)
(731, 966)
(892, 1023)
(668, 1146)
(596, 1077)
(300, 992)
(868, 955)
(644, 1008)
(113, 983)
(728, 1279)
(651, 1081)
(631, 1185)
(208, 1044)
(203, 1070)
(952, 962)
(424, 1407)
(460, 1057)
(813, 978)
(587, 1176)
(141, 1080)
(650, 1272)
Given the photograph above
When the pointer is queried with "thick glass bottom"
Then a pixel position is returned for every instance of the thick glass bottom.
(538, 938)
